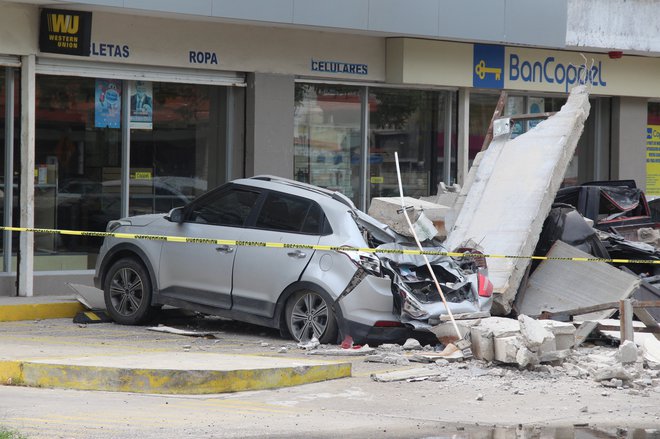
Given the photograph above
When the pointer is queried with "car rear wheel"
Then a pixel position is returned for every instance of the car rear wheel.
(127, 292)
(308, 315)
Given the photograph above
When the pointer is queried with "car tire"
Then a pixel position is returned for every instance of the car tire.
(309, 314)
(127, 292)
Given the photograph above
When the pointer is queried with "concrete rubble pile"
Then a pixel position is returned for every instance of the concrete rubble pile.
(509, 349)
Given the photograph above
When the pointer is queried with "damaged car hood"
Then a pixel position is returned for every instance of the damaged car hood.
(416, 299)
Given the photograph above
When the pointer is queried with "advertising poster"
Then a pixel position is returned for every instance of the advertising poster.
(107, 103)
(141, 116)
(653, 160)
(535, 105)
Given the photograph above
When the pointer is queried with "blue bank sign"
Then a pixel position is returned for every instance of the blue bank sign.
(499, 67)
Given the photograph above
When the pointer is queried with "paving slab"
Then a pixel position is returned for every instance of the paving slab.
(42, 351)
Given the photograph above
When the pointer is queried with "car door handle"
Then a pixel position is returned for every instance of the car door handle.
(224, 249)
(297, 254)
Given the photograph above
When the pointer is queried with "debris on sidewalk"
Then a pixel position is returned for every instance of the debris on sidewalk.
(410, 374)
(309, 345)
(353, 352)
(171, 330)
(525, 342)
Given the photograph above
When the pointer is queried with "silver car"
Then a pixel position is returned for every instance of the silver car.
(316, 284)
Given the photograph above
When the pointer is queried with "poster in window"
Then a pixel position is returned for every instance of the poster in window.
(653, 160)
(535, 105)
(141, 111)
(107, 103)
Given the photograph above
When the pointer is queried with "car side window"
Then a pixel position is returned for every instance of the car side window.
(228, 208)
(289, 213)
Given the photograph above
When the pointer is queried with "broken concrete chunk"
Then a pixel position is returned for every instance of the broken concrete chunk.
(506, 348)
(535, 336)
(564, 333)
(525, 357)
(610, 372)
(402, 375)
(627, 353)
(412, 344)
(388, 211)
(387, 358)
(482, 343)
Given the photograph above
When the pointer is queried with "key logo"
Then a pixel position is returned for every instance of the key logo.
(488, 65)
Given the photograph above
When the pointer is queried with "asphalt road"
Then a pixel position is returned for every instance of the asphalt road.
(469, 396)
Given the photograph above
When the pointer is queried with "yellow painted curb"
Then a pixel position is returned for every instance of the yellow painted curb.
(39, 311)
(11, 372)
(189, 382)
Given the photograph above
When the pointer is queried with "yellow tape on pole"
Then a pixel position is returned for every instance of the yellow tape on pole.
(183, 239)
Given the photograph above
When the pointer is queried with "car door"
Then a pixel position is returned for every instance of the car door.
(201, 273)
(262, 273)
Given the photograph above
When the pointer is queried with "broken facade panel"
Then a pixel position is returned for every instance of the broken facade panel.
(557, 286)
(512, 193)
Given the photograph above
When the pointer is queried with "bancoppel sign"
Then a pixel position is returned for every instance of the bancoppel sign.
(65, 32)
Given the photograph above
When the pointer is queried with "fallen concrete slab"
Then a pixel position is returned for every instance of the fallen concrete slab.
(410, 374)
(558, 286)
(388, 211)
(513, 191)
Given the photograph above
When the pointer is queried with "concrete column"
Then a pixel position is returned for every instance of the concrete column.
(463, 153)
(629, 120)
(28, 99)
(269, 125)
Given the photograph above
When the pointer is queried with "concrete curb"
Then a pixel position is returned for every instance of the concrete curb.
(164, 381)
(40, 311)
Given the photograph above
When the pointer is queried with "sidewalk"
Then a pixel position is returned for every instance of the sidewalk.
(42, 347)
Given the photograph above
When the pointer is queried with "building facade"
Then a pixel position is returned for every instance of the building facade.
(159, 101)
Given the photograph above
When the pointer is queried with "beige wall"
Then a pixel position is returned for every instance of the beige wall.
(629, 118)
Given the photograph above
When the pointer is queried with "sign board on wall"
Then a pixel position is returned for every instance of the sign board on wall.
(653, 160)
(485, 66)
(65, 32)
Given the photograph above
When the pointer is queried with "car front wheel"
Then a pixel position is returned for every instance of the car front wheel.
(308, 315)
(127, 292)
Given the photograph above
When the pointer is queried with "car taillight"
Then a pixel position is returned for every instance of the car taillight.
(368, 261)
(387, 324)
(485, 286)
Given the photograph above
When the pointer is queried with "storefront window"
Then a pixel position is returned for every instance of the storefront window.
(412, 124)
(177, 151)
(327, 137)
(176, 158)
(482, 107)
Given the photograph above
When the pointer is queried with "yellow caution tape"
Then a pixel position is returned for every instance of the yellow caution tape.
(183, 239)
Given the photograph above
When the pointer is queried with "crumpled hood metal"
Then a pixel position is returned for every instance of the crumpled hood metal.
(415, 295)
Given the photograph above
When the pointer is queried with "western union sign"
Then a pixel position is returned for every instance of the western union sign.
(66, 32)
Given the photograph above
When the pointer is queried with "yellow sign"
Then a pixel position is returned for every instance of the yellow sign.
(142, 176)
(653, 160)
(377, 180)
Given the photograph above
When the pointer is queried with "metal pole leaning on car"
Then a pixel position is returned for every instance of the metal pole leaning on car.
(419, 245)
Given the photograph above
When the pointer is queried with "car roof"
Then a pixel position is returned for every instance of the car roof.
(294, 187)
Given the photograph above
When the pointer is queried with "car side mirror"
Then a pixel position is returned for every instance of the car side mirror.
(176, 215)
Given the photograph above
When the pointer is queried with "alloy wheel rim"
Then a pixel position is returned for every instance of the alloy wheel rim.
(126, 291)
(309, 317)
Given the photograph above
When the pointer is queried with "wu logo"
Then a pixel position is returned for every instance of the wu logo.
(63, 23)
